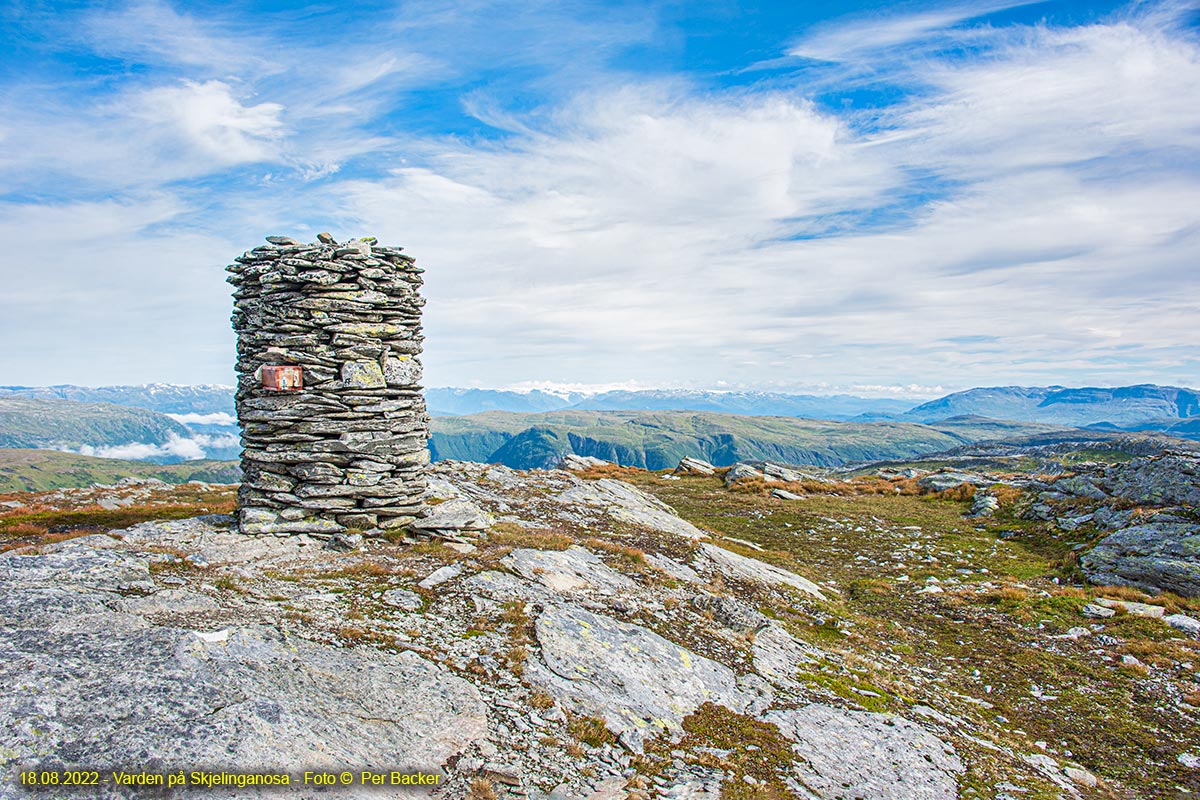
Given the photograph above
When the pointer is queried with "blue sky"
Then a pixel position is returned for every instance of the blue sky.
(882, 198)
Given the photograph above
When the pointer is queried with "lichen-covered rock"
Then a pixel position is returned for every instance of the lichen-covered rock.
(88, 682)
(638, 681)
(849, 754)
(1171, 479)
(1080, 486)
(630, 504)
(1155, 557)
(738, 566)
(567, 570)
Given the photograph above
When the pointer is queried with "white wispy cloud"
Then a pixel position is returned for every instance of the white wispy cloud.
(1022, 212)
(863, 36)
(631, 228)
(207, 117)
(215, 418)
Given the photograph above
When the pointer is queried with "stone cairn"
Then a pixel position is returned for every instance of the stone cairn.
(347, 449)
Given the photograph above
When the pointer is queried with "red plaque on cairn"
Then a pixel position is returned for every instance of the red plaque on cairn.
(283, 379)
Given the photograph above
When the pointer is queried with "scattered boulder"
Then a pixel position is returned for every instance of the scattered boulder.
(772, 471)
(741, 471)
(575, 462)
(983, 504)
(951, 479)
(1093, 611)
(784, 494)
(454, 515)
(1182, 622)
(1129, 607)
(403, 599)
(344, 542)
(694, 466)
(440, 576)
(769, 472)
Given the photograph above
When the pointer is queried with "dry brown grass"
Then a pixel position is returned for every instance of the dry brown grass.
(482, 789)
(609, 471)
(1006, 594)
(1005, 495)
(749, 485)
(1158, 654)
(352, 636)
(540, 699)
(515, 657)
(1122, 593)
(589, 730)
(629, 558)
(962, 492)
(510, 534)
(871, 484)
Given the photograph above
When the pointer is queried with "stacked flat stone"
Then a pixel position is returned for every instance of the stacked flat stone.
(349, 449)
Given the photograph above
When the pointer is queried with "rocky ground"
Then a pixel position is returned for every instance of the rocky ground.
(909, 631)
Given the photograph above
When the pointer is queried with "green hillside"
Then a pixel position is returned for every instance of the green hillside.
(39, 470)
(26, 422)
(657, 440)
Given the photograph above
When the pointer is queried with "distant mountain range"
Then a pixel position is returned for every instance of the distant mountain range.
(659, 439)
(1124, 407)
(166, 423)
(165, 398)
(456, 402)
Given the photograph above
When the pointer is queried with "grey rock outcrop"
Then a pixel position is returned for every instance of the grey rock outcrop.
(347, 450)
(1172, 479)
(630, 504)
(567, 570)
(862, 754)
(951, 479)
(734, 565)
(641, 683)
(89, 681)
(1156, 556)
(778, 656)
